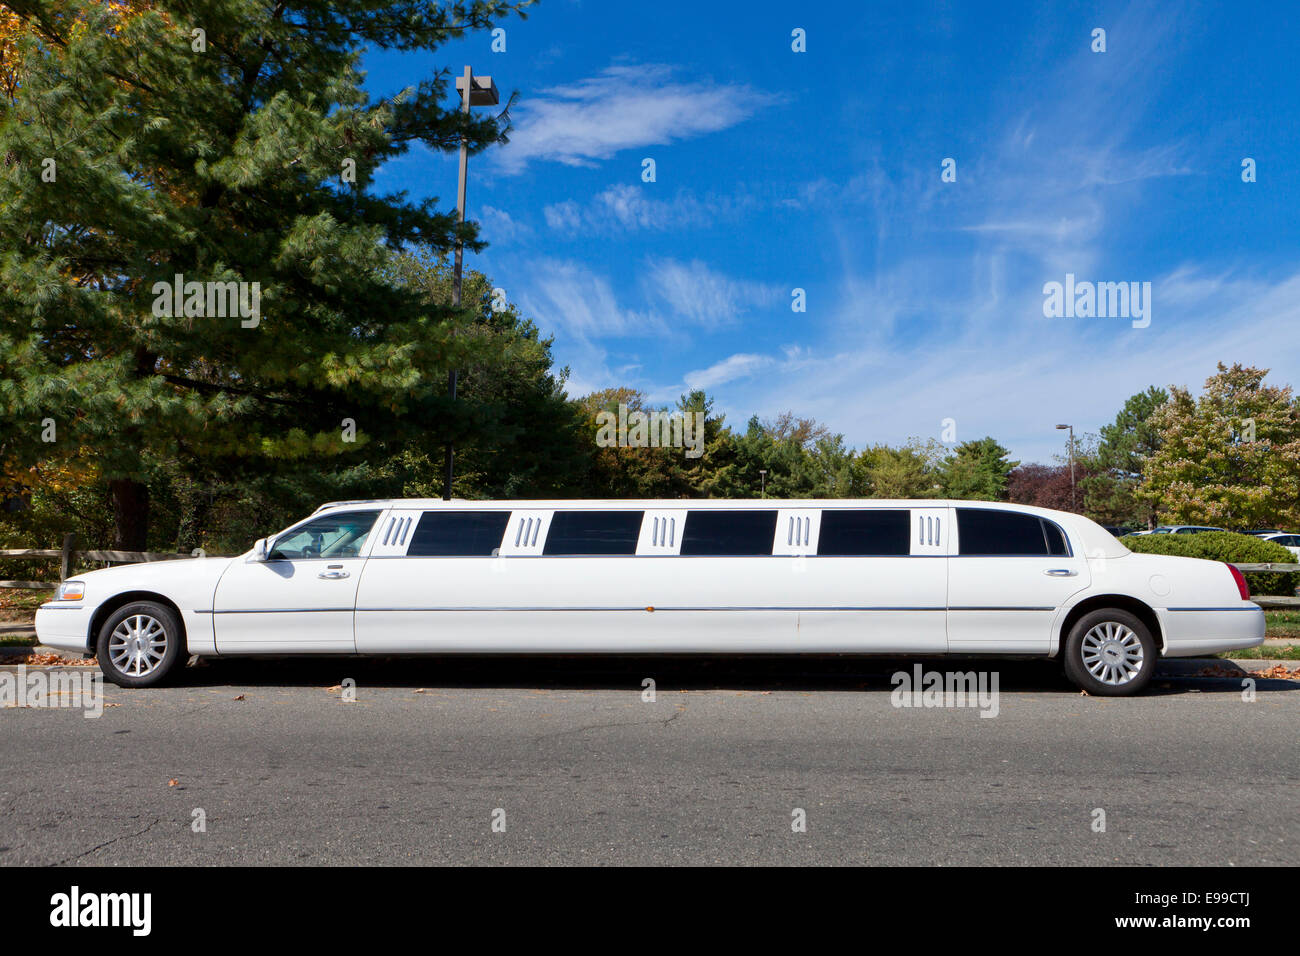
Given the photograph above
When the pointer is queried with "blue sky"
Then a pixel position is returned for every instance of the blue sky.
(821, 170)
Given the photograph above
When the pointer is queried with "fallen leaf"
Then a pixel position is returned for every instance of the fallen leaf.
(240, 697)
(54, 660)
(1280, 672)
(173, 782)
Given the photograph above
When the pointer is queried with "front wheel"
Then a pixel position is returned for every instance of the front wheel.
(140, 644)
(1110, 653)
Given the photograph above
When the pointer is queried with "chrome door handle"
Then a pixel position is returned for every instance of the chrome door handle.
(332, 574)
(1060, 572)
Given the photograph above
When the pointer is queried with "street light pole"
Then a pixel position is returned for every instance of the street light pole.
(1073, 504)
(474, 91)
(762, 476)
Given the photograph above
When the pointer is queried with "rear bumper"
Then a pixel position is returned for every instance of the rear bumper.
(1191, 632)
(64, 626)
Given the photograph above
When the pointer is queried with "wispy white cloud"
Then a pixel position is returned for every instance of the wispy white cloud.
(625, 208)
(741, 365)
(694, 292)
(569, 296)
(499, 225)
(671, 300)
(625, 106)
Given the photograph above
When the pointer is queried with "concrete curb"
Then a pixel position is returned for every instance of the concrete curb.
(1193, 667)
(9, 656)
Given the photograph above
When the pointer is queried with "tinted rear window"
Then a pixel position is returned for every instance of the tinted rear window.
(593, 532)
(458, 534)
(729, 533)
(1056, 543)
(864, 533)
(1007, 533)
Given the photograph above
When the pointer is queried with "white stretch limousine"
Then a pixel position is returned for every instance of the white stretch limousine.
(646, 577)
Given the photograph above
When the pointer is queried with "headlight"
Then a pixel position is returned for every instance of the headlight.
(70, 591)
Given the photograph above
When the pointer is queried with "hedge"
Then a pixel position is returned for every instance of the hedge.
(1226, 546)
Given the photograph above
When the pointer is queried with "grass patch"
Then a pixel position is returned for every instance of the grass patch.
(16, 599)
(1286, 652)
(19, 607)
(13, 640)
(1282, 624)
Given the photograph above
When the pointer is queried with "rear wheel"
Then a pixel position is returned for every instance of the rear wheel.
(1110, 653)
(140, 644)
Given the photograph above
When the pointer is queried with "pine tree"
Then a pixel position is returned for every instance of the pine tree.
(224, 141)
(977, 470)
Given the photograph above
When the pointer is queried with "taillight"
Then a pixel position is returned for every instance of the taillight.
(1240, 578)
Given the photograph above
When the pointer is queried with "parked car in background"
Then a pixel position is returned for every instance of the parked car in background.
(1289, 541)
(1119, 530)
(1264, 532)
(1180, 529)
(668, 577)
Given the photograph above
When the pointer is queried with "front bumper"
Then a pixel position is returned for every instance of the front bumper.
(65, 626)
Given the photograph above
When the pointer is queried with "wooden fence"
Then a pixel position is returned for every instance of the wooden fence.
(68, 554)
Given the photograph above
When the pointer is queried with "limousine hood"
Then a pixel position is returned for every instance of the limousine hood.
(183, 580)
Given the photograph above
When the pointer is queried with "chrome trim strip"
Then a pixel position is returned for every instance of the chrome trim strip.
(534, 608)
(656, 608)
(1255, 608)
(284, 610)
(995, 608)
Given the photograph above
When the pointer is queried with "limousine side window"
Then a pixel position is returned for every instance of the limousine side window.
(866, 533)
(1057, 546)
(330, 536)
(729, 533)
(458, 534)
(593, 532)
(1008, 533)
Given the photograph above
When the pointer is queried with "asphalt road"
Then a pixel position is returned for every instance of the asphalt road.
(586, 772)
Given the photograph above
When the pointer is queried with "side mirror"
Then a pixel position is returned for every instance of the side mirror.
(260, 552)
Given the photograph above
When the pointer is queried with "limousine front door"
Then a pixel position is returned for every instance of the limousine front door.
(302, 598)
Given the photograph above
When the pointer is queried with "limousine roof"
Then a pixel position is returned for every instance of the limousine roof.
(1097, 541)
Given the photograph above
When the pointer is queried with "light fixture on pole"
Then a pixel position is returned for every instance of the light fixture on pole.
(762, 477)
(474, 91)
(1073, 505)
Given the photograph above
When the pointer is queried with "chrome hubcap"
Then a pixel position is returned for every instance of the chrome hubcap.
(1112, 653)
(137, 645)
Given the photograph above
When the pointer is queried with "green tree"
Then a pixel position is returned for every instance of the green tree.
(909, 471)
(135, 149)
(801, 457)
(1116, 464)
(520, 436)
(977, 470)
(622, 470)
(1228, 457)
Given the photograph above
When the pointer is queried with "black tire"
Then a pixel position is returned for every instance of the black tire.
(1110, 653)
(140, 620)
